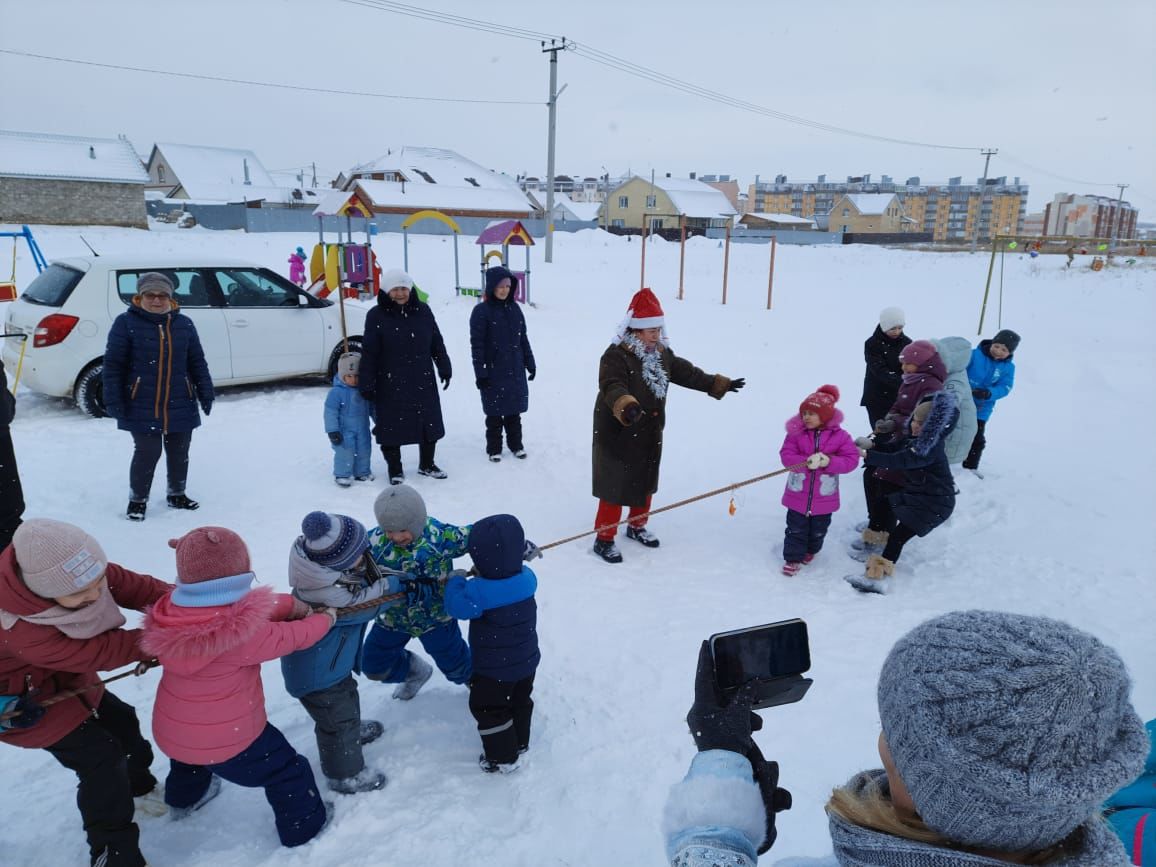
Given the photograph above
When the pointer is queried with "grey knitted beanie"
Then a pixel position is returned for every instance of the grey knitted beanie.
(400, 507)
(1008, 730)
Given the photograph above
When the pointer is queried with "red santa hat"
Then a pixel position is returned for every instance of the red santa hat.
(644, 311)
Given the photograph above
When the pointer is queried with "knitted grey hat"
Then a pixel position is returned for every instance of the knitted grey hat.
(154, 281)
(400, 507)
(1008, 730)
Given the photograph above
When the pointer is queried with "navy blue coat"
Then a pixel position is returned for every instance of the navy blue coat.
(155, 373)
(500, 604)
(330, 660)
(927, 498)
(884, 372)
(401, 347)
(501, 349)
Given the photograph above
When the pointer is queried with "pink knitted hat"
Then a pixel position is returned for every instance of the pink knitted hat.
(57, 559)
(207, 553)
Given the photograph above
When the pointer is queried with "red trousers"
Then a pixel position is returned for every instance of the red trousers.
(611, 513)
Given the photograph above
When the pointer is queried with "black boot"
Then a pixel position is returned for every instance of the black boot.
(607, 550)
(136, 510)
(180, 501)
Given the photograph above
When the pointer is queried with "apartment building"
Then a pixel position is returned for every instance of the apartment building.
(1089, 217)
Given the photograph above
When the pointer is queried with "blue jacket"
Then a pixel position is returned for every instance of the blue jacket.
(155, 372)
(503, 622)
(715, 815)
(346, 411)
(501, 349)
(998, 377)
(400, 348)
(334, 657)
(1132, 811)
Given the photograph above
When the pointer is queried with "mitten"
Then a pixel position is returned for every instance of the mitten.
(481, 382)
(420, 591)
(531, 374)
(814, 461)
(865, 443)
(632, 413)
(824, 460)
(737, 384)
(300, 610)
(445, 383)
(885, 425)
(29, 711)
(981, 393)
(335, 437)
(531, 552)
(207, 407)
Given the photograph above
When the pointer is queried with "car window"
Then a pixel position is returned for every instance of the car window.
(192, 290)
(248, 287)
(52, 286)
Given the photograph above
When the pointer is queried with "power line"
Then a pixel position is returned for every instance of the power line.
(1017, 161)
(272, 84)
(455, 20)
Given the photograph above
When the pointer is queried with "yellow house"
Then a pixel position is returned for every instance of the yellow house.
(660, 205)
(868, 212)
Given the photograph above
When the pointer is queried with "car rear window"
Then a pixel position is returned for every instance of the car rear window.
(53, 286)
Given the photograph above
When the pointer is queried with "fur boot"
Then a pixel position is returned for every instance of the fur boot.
(877, 538)
(879, 567)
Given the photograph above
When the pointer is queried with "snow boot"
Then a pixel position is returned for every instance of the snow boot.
(791, 569)
(871, 542)
(495, 459)
(178, 813)
(492, 767)
(879, 566)
(136, 511)
(643, 535)
(180, 501)
(607, 550)
(343, 481)
(370, 731)
(368, 477)
(807, 558)
(433, 471)
(366, 780)
(151, 803)
(520, 454)
(397, 479)
(419, 673)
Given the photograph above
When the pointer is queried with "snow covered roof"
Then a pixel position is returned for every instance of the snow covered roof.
(425, 165)
(209, 173)
(443, 197)
(693, 198)
(80, 158)
(871, 203)
(570, 209)
(782, 218)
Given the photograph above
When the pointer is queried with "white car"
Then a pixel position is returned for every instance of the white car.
(254, 325)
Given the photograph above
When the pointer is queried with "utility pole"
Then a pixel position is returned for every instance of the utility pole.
(1119, 215)
(987, 155)
(552, 49)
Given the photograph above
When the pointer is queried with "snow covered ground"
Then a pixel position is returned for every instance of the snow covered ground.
(1062, 525)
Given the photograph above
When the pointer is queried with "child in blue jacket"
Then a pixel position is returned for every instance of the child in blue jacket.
(330, 566)
(503, 617)
(1132, 811)
(991, 373)
(347, 416)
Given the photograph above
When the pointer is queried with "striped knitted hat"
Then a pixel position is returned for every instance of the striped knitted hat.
(334, 541)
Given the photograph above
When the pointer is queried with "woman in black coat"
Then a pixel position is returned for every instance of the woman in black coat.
(155, 375)
(884, 374)
(502, 358)
(401, 348)
(11, 494)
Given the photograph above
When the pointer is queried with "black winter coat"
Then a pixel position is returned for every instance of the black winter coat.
(501, 353)
(155, 373)
(884, 372)
(7, 400)
(401, 347)
(927, 498)
(626, 458)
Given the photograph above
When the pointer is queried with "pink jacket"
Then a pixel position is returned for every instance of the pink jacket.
(210, 705)
(296, 268)
(816, 492)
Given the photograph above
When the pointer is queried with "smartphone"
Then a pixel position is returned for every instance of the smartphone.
(774, 655)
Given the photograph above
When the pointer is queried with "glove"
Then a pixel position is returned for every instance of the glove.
(632, 413)
(331, 613)
(865, 443)
(30, 711)
(531, 552)
(885, 425)
(445, 383)
(824, 460)
(369, 396)
(207, 407)
(737, 384)
(775, 800)
(814, 461)
(981, 393)
(420, 591)
(531, 374)
(301, 610)
(713, 726)
(335, 437)
(481, 382)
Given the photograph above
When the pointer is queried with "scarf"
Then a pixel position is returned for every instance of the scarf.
(864, 847)
(101, 616)
(653, 373)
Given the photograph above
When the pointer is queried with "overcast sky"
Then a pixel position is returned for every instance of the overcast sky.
(1063, 89)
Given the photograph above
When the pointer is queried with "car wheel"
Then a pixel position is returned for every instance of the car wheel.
(339, 350)
(89, 391)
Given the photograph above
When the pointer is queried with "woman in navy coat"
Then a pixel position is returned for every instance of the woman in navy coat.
(401, 348)
(155, 375)
(502, 358)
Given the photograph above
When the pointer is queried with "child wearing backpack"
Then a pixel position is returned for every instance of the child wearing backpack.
(211, 634)
(330, 566)
(347, 416)
(503, 617)
(814, 437)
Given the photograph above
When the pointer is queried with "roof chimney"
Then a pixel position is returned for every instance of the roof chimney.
(91, 152)
(692, 174)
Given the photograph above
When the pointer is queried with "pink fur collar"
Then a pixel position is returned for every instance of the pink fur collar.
(190, 633)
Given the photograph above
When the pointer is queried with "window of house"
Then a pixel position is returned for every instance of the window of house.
(624, 201)
(618, 224)
(160, 173)
(655, 223)
(846, 212)
(652, 201)
(845, 227)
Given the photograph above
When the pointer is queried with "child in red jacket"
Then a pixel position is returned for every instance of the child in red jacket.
(60, 623)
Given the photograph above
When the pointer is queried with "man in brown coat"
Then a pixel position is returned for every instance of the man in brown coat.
(629, 416)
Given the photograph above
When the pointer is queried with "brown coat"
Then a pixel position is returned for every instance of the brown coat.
(626, 458)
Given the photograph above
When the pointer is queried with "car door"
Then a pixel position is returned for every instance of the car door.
(202, 303)
(273, 329)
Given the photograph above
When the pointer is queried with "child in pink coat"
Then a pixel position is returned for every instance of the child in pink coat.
(297, 266)
(211, 635)
(812, 495)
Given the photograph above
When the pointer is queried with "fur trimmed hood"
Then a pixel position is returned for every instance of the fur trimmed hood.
(939, 422)
(794, 425)
(187, 639)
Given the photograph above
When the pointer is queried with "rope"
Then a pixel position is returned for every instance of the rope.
(138, 669)
(381, 600)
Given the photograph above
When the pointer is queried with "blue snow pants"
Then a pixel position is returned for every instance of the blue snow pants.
(385, 658)
(351, 458)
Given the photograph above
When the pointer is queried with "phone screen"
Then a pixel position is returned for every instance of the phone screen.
(761, 652)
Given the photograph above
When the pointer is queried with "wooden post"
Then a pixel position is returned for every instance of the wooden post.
(726, 261)
(771, 278)
(681, 251)
(642, 277)
(987, 287)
